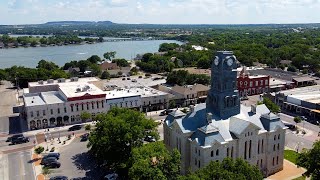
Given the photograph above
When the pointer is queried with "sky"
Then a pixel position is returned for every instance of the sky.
(161, 11)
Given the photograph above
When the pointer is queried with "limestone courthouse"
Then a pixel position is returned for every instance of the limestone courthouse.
(222, 127)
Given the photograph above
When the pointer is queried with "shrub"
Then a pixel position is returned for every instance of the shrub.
(87, 127)
(52, 149)
(46, 171)
(39, 150)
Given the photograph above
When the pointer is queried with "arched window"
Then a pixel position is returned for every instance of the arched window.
(275, 136)
(278, 146)
(279, 136)
(217, 152)
(273, 161)
(211, 153)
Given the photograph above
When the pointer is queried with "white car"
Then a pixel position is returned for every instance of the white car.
(112, 176)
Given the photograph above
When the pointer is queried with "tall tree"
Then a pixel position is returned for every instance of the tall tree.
(109, 55)
(310, 159)
(48, 65)
(117, 133)
(94, 59)
(154, 161)
(228, 169)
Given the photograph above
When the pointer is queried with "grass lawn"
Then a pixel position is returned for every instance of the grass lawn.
(300, 178)
(291, 156)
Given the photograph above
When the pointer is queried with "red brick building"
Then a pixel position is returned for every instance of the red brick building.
(252, 85)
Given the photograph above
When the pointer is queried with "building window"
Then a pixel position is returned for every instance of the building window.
(195, 161)
(92, 105)
(278, 146)
(51, 110)
(217, 152)
(58, 110)
(87, 106)
(266, 82)
(257, 83)
(245, 150)
(65, 110)
(275, 136)
(261, 82)
(120, 104)
(211, 153)
(82, 107)
(250, 83)
(277, 160)
(250, 143)
(273, 161)
(71, 108)
(198, 151)
(199, 164)
(262, 146)
(31, 114)
(279, 136)
(97, 104)
(195, 150)
(274, 147)
(232, 152)
(126, 104)
(259, 146)
(44, 112)
(72, 118)
(38, 113)
(77, 107)
(102, 104)
(227, 152)
(261, 163)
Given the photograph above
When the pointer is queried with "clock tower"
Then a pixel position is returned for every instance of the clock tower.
(223, 97)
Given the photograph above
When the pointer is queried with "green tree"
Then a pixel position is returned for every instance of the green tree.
(117, 133)
(85, 116)
(94, 59)
(292, 69)
(39, 150)
(87, 127)
(297, 119)
(271, 105)
(48, 65)
(109, 55)
(121, 62)
(134, 71)
(310, 159)
(96, 69)
(105, 75)
(168, 47)
(154, 161)
(228, 169)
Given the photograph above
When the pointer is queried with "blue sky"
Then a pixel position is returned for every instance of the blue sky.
(161, 11)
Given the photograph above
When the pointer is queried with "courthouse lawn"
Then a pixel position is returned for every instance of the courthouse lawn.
(291, 156)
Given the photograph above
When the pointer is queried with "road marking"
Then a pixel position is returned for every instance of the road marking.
(4, 171)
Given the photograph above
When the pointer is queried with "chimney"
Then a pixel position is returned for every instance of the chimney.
(191, 107)
(209, 118)
(253, 108)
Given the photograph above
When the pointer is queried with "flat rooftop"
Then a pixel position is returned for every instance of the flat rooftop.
(309, 93)
(43, 98)
(55, 82)
(77, 89)
(133, 91)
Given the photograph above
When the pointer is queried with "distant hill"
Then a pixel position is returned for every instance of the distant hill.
(78, 22)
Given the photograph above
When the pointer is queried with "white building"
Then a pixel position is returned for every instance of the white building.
(61, 102)
(223, 128)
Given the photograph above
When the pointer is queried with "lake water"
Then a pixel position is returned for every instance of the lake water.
(29, 57)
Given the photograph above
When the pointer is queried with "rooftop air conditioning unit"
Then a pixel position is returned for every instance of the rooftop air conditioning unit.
(78, 89)
(61, 80)
(73, 79)
(40, 82)
(49, 81)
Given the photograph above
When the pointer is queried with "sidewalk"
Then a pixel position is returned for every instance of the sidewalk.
(289, 172)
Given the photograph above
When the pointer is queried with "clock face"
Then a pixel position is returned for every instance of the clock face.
(230, 62)
(216, 61)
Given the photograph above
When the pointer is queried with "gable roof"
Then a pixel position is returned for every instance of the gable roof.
(200, 87)
(108, 66)
(183, 90)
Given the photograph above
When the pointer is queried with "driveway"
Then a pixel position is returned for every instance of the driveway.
(76, 162)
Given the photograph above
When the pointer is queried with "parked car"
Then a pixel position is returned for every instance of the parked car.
(128, 78)
(9, 139)
(75, 128)
(123, 79)
(289, 125)
(53, 164)
(53, 154)
(150, 139)
(45, 161)
(84, 137)
(20, 140)
(59, 178)
(165, 112)
(133, 80)
(140, 76)
(111, 176)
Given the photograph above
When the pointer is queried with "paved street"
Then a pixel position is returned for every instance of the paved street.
(16, 166)
(76, 163)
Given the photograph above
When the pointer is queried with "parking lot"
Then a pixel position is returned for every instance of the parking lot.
(76, 162)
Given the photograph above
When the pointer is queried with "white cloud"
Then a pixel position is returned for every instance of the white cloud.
(162, 11)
